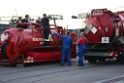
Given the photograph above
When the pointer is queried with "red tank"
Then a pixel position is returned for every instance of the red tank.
(105, 32)
(102, 24)
(25, 44)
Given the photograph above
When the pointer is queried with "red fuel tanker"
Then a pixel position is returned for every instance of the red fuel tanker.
(20, 46)
(105, 32)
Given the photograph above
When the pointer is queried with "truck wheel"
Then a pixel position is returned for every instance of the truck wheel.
(102, 59)
(92, 59)
(120, 58)
(3, 50)
(7, 51)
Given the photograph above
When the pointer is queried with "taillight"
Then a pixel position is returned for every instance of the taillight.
(113, 54)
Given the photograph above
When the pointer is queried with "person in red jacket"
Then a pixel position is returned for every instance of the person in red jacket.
(81, 48)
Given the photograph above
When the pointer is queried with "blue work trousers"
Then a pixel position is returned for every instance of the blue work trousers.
(66, 52)
(81, 50)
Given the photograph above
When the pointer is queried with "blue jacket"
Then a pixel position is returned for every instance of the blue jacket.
(66, 40)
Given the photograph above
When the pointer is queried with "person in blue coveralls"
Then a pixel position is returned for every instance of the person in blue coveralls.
(67, 43)
(81, 48)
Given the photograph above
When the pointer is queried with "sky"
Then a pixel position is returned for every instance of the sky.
(64, 7)
(67, 8)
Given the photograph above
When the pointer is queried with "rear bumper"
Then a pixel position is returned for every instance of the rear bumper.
(102, 54)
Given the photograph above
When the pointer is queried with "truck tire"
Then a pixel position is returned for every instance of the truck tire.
(101, 59)
(120, 58)
(92, 59)
(7, 51)
(3, 50)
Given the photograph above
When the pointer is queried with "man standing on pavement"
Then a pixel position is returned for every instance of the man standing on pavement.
(81, 48)
(67, 43)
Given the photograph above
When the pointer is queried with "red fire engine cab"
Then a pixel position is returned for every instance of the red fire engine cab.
(24, 43)
(105, 32)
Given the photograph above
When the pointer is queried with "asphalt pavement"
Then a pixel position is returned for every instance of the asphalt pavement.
(52, 72)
